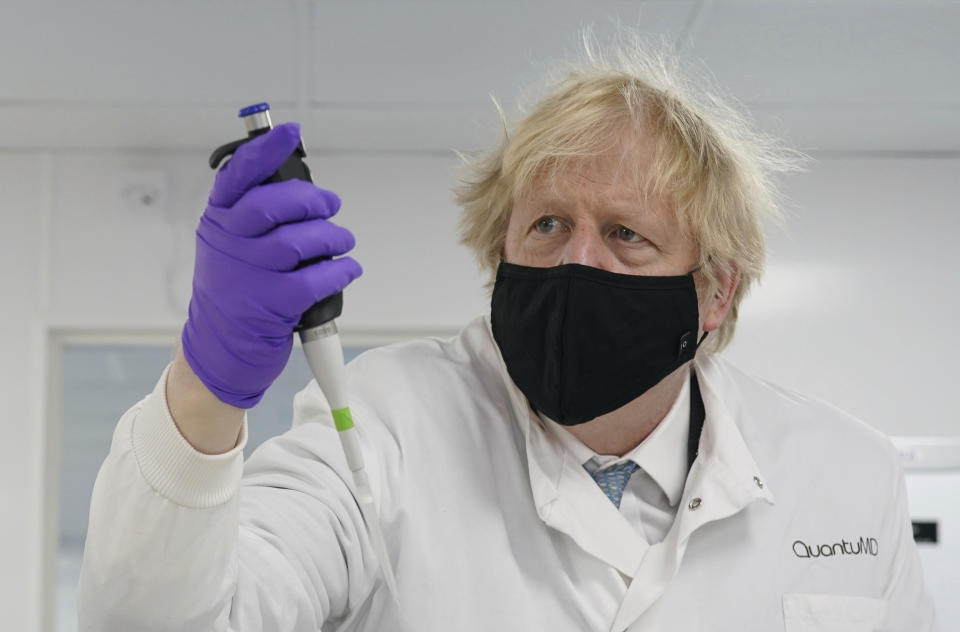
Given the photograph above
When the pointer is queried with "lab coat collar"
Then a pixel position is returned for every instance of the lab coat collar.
(555, 475)
(723, 481)
(723, 453)
(575, 505)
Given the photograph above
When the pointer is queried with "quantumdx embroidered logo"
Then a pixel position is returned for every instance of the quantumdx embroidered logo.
(863, 546)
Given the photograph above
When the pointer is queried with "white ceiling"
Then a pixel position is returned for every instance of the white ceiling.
(417, 75)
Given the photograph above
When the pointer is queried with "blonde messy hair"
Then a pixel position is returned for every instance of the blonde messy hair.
(707, 164)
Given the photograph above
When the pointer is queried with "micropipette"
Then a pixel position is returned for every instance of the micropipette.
(320, 340)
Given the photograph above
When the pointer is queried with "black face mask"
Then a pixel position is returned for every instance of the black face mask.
(580, 342)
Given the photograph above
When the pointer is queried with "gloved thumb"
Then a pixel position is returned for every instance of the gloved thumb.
(254, 162)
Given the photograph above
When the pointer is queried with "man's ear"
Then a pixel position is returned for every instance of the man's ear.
(719, 303)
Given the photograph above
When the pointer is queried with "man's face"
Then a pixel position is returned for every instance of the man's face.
(595, 215)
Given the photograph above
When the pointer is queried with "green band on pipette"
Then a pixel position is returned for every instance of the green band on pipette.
(342, 419)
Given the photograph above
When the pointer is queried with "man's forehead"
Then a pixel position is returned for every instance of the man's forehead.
(611, 185)
(621, 167)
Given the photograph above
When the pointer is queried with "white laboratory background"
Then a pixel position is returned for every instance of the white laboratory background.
(109, 110)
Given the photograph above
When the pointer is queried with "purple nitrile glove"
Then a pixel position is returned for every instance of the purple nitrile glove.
(248, 292)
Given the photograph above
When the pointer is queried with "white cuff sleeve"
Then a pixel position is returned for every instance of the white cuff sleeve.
(172, 467)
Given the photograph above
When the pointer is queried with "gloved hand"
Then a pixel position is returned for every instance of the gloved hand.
(248, 292)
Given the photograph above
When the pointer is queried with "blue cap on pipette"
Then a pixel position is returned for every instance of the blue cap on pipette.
(253, 109)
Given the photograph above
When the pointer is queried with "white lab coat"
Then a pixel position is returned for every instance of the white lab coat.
(801, 520)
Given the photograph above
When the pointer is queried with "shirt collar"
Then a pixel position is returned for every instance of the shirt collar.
(662, 454)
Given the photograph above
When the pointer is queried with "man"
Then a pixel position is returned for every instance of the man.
(581, 459)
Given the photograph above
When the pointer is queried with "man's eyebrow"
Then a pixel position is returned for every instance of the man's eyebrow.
(628, 210)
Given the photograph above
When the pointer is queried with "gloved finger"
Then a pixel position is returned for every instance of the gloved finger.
(288, 246)
(316, 282)
(264, 207)
(283, 248)
(254, 162)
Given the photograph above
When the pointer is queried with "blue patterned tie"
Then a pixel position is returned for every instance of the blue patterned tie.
(612, 480)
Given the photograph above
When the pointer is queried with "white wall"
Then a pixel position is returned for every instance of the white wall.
(105, 100)
(118, 262)
(859, 302)
(25, 185)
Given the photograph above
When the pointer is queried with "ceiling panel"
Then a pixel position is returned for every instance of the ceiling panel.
(435, 128)
(63, 126)
(416, 128)
(108, 51)
(411, 129)
(417, 75)
(458, 53)
(837, 54)
(920, 128)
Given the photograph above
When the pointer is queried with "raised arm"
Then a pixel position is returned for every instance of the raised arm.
(172, 543)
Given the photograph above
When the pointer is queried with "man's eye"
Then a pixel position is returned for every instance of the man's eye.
(547, 225)
(625, 234)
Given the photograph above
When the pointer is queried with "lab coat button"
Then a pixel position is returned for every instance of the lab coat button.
(756, 479)
(694, 503)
